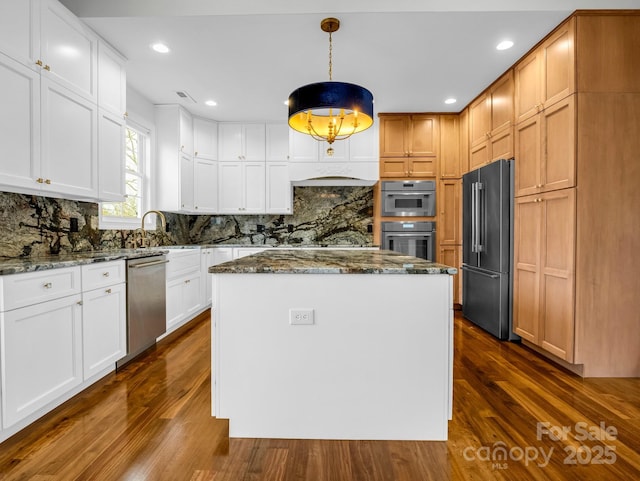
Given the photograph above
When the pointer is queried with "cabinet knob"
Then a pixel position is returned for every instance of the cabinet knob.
(47, 68)
(79, 303)
(126, 114)
(539, 185)
(47, 285)
(187, 281)
(40, 180)
(108, 291)
(39, 63)
(47, 181)
(105, 274)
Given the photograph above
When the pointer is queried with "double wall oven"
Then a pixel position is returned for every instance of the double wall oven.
(409, 198)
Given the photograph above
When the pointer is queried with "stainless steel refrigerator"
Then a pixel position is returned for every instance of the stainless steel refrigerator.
(487, 248)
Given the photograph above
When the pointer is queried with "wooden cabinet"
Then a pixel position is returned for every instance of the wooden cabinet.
(408, 145)
(547, 74)
(491, 123)
(449, 203)
(544, 259)
(241, 142)
(104, 316)
(546, 149)
(279, 192)
(450, 147)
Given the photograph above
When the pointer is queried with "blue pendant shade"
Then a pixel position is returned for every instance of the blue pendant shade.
(330, 111)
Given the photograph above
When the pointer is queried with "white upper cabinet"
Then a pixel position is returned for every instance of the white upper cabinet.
(186, 183)
(302, 147)
(205, 189)
(112, 80)
(19, 30)
(111, 152)
(19, 126)
(69, 151)
(364, 146)
(277, 143)
(68, 50)
(279, 192)
(241, 188)
(185, 132)
(245, 142)
(205, 138)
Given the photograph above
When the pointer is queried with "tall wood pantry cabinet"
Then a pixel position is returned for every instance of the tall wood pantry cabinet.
(577, 112)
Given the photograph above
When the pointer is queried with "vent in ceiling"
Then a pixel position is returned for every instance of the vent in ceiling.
(183, 94)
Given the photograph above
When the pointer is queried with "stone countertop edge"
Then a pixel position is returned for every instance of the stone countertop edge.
(295, 261)
(33, 264)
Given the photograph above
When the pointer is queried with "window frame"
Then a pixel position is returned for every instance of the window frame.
(130, 223)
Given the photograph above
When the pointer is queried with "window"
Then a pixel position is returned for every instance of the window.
(127, 214)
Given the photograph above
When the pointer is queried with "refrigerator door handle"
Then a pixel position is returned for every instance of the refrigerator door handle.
(479, 219)
(473, 217)
(475, 271)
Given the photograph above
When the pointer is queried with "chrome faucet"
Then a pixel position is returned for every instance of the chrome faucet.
(163, 222)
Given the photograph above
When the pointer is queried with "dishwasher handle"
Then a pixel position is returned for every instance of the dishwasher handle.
(147, 264)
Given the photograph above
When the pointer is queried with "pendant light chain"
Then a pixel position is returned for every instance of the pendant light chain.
(330, 60)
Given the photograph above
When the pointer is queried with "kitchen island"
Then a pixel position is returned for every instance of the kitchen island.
(332, 345)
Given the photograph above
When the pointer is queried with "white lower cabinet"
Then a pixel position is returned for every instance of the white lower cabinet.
(104, 322)
(184, 291)
(60, 329)
(206, 260)
(41, 355)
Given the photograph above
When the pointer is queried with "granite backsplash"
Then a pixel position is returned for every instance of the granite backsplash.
(33, 226)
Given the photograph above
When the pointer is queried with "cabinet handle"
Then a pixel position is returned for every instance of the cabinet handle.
(47, 68)
(539, 185)
(105, 274)
(187, 281)
(108, 291)
(47, 181)
(47, 285)
(79, 303)
(40, 180)
(39, 63)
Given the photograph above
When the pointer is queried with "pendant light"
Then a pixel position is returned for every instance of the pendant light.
(330, 111)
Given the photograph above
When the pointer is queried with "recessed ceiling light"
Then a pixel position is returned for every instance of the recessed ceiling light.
(450, 101)
(211, 103)
(160, 47)
(504, 45)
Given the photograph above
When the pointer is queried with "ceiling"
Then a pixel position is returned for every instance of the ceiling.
(248, 55)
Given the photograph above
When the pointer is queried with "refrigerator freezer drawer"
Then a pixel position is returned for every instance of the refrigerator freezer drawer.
(487, 301)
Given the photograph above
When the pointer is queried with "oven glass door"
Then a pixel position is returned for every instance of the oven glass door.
(409, 204)
(416, 245)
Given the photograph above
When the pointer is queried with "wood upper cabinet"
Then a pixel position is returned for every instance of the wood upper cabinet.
(544, 260)
(449, 211)
(547, 74)
(450, 159)
(408, 145)
(546, 150)
(490, 123)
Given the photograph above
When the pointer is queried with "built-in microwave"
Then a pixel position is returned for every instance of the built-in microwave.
(409, 198)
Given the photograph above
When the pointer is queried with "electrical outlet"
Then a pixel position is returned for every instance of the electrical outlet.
(300, 316)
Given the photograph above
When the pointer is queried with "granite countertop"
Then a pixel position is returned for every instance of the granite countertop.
(32, 264)
(310, 261)
(295, 246)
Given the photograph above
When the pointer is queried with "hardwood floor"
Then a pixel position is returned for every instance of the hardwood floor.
(151, 421)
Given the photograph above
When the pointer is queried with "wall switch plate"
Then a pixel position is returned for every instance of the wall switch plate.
(300, 316)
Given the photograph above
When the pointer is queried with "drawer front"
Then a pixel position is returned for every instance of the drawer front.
(20, 290)
(101, 274)
(182, 261)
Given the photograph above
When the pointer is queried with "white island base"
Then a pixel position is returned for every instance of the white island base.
(375, 364)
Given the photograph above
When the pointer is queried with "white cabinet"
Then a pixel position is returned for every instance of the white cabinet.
(68, 142)
(41, 341)
(112, 80)
(206, 260)
(68, 50)
(205, 139)
(111, 156)
(277, 142)
(19, 125)
(184, 291)
(19, 30)
(205, 189)
(241, 187)
(174, 141)
(279, 192)
(41, 355)
(222, 254)
(364, 146)
(104, 316)
(244, 142)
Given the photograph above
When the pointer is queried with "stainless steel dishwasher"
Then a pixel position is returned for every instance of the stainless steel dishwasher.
(146, 304)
